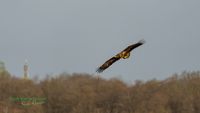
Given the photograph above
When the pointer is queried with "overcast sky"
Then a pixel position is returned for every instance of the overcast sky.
(76, 36)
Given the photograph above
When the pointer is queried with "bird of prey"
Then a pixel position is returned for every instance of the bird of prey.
(123, 54)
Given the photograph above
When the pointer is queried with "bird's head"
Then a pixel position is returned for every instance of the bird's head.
(125, 55)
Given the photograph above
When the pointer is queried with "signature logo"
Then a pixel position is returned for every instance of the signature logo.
(24, 101)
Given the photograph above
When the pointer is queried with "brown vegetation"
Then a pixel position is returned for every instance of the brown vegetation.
(83, 93)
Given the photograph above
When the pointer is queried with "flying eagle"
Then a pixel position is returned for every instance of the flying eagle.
(123, 54)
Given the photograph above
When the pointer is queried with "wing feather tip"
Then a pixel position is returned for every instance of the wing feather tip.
(99, 70)
(142, 41)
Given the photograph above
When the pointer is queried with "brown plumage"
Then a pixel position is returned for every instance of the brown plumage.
(123, 54)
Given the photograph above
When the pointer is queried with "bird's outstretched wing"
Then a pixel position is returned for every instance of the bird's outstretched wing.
(107, 64)
(133, 46)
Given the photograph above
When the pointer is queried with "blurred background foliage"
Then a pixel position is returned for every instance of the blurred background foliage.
(85, 93)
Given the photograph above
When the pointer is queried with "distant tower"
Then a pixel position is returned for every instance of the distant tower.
(2, 66)
(26, 69)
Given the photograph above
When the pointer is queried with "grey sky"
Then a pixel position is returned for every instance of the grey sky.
(79, 35)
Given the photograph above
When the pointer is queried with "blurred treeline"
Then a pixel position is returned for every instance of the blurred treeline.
(84, 93)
